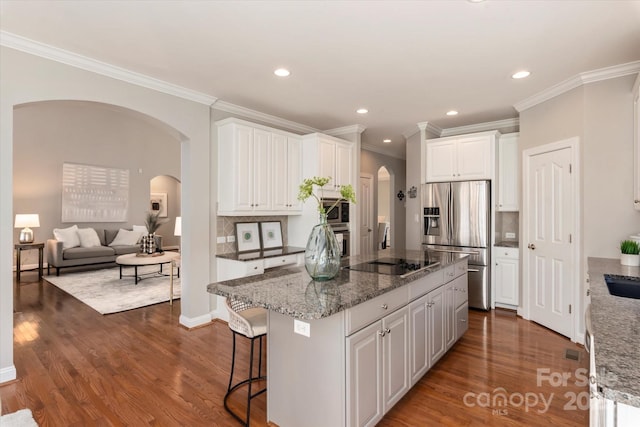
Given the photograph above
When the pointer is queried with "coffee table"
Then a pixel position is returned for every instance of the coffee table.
(135, 261)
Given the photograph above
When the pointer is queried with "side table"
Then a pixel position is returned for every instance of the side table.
(19, 247)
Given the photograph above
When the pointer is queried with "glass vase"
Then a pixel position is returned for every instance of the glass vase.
(322, 254)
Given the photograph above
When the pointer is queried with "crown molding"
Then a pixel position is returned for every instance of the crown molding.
(579, 80)
(262, 117)
(345, 130)
(63, 56)
(481, 127)
(375, 149)
(430, 127)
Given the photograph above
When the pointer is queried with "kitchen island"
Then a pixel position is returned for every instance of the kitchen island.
(343, 352)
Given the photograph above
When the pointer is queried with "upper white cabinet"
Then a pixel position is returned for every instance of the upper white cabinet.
(508, 173)
(259, 169)
(335, 161)
(460, 158)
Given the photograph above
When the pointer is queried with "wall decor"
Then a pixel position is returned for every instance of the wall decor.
(271, 233)
(94, 193)
(247, 236)
(159, 204)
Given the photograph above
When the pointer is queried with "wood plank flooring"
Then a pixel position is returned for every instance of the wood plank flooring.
(137, 368)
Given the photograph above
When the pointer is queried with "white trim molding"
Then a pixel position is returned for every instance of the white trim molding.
(481, 127)
(262, 117)
(63, 56)
(429, 127)
(8, 374)
(576, 81)
(193, 322)
(344, 130)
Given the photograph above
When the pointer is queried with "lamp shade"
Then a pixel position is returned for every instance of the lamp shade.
(27, 220)
(177, 231)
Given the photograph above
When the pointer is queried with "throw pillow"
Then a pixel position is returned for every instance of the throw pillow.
(68, 236)
(88, 237)
(126, 238)
(142, 229)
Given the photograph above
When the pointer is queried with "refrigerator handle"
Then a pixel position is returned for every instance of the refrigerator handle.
(451, 213)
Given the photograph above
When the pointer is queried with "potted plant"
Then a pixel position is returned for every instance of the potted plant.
(322, 253)
(630, 253)
(152, 222)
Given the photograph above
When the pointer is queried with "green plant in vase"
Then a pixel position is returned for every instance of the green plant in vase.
(322, 253)
(152, 221)
(630, 250)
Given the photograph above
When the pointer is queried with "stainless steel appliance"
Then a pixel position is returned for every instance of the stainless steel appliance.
(342, 234)
(339, 214)
(457, 218)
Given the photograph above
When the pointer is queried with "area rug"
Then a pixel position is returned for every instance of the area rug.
(22, 418)
(106, 293)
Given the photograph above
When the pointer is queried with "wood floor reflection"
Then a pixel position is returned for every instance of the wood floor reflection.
(79, 368)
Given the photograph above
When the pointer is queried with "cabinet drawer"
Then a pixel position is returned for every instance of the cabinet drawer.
(460, 268)
(425, 284)
(501, 252)
(253, 267)
(462, 320)
(461, 290)
(281, 260)
(368, 312)
(449, 273)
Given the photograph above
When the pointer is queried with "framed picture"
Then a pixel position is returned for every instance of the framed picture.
(159, 204)
(271, 233)
(247, 236)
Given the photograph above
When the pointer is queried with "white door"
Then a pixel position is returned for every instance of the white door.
(550, 229)
(365, 200)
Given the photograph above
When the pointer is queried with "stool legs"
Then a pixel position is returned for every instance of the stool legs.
(249, 381)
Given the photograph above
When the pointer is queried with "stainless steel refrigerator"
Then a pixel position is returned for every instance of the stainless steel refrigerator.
(457, 218)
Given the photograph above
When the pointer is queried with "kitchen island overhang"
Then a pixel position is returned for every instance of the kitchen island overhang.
(328, 342)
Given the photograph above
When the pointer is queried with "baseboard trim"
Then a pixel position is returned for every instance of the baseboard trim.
(8, 374)
(194, 322)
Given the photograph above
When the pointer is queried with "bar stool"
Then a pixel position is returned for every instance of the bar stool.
(251, 323)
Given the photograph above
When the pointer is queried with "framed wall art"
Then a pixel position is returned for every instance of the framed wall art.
(158, 204)
(271, 233)
(247, 236)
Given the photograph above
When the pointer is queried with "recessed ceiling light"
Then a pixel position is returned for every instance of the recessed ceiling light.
(452, 113)
(520, 74)
(282, 72)
(362, 111)
(386, 141)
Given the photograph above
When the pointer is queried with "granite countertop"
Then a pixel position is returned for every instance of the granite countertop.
(507, 244)
(615, 323)
(267, 253)
(292, 292)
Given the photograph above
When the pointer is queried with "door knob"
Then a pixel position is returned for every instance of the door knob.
(369, 230)
(531, 246)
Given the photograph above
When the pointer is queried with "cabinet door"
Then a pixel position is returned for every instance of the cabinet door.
(327, 151)
(440, 161)
(261, 170)
(364, 376)
(294, 172)
(508, 173)
(343, 165)
(474, 158)
(244, 167)
(462, 320)
(506, 281)
(279, 160)
(449, 314)
(395, 348)
(436, 325)
(418, 333)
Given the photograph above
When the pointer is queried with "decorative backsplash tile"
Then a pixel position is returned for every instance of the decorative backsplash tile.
(226, 227)
(507, 222)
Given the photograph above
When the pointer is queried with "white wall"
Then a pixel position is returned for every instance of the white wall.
(413, 207)
(27, 78)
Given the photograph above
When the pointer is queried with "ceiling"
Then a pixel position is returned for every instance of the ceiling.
(405, 61)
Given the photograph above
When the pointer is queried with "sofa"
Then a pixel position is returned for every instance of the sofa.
(73, 246)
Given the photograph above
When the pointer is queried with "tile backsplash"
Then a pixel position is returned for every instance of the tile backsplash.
(226, 227)
(507, 222)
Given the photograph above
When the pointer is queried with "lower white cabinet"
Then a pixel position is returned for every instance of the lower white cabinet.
(506, 276)
(377, 368)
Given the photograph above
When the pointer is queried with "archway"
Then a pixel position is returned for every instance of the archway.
(385, 209)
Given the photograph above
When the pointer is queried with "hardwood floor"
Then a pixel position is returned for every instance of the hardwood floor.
(79, 368)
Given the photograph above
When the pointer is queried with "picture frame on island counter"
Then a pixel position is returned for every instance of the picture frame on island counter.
(247, 236)
(271, 234)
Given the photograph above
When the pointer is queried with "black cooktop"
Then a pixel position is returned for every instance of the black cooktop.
(393, 266)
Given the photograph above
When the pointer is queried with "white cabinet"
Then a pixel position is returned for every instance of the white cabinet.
(377, 368)
(335, 161)
(259, 169)
(506, 276)
(460, 158)
(286, 162)
(508, 179)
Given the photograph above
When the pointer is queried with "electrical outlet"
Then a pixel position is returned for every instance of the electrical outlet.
(221, 239)
(231, 239)
(302, 328)
(510, 235)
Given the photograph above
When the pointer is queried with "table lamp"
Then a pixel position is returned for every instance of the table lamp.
(27, 221)
(177, 231)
